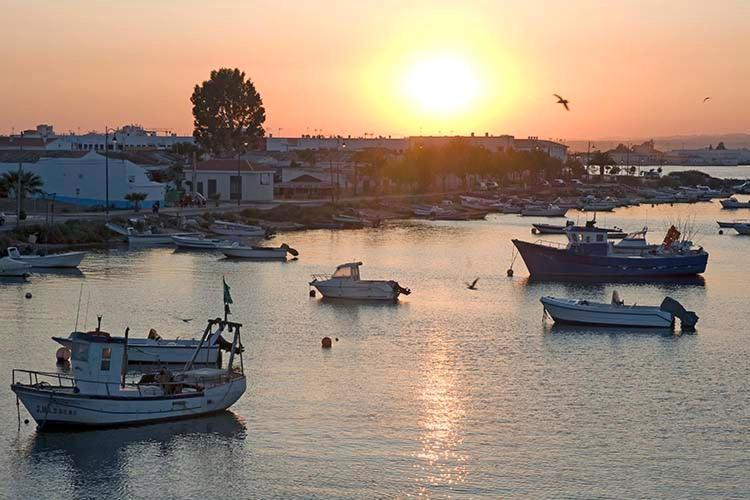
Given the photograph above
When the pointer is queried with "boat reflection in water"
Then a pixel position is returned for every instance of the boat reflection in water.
(97, 463)
(570, 330)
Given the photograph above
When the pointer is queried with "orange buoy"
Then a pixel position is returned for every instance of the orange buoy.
(63, 355)
(326, 342)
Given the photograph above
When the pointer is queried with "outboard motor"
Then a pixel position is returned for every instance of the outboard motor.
(398, 288)
(688, 319)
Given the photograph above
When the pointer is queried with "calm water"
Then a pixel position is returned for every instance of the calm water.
(449, 393)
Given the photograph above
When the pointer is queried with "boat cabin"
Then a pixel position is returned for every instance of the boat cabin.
(350, 270)
(588, 239)
(97, 362)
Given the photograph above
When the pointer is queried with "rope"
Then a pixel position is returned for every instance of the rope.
(513, 254)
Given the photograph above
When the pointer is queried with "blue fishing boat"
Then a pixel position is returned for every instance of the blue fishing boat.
(588, 253)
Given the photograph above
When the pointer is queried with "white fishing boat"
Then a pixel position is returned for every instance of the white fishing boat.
(732, 203)
(98, 395)
(598, 206)
(260, 253)
(12, 267)
(345, 283)
(202, 243)
(543, 211)
(730, 225)
(154, 350)
(55, 260)
(617, 313)
(238, 230)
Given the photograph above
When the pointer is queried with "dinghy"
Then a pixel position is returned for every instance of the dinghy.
(237, 230)
(260, 253)
(345, 283)
(55, 260)
(98, 395)
(617, 313)
(202, 243)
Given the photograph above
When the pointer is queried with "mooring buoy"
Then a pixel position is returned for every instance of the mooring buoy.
(28, 295)
(721, 231)
(312, 293)
(63, 355)
(326, 342)
(510, 273)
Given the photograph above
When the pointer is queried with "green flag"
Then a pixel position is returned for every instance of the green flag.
(227, 295)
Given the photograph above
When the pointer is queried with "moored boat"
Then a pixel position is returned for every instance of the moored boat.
(617, 313)
(238, 230)
(543, 211)
(98, 395)
(589, 254)
(259, 252)
(55, 260)
(202, 243)
(345, 283)
(742, 228)
(733, 203)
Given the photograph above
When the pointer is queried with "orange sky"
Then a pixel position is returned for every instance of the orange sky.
(630, 68)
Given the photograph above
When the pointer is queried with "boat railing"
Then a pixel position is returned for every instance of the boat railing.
(46, 380)
(551, 244)
(321, 277)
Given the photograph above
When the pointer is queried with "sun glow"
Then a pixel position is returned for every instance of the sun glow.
(442, 84)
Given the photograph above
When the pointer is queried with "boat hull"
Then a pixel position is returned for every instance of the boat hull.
(580, 312)
(12, 267)
(60, 260)
(361, 290)
(551, 262)
(742, 228)
(202, 243)
(255, 253)
(53, 409)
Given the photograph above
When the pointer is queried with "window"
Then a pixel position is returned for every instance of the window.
(235, 187)
(80, 351)
(131, 179)
(211, 188)
(106, 357)
(265, 179)
(200, 187)
(599, 237)
(343, 272)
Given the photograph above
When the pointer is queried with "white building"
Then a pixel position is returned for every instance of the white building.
(552, 148)
(286, 144)
(81, 180)
(219, 177)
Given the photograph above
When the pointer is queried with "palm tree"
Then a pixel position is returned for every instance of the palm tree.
(31, 184)
(136, 199)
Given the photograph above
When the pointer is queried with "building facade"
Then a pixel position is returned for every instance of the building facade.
(82, 179)
(219, 179)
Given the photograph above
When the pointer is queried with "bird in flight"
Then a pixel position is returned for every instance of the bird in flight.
(562, 101)
(706, 98)
(472, 285)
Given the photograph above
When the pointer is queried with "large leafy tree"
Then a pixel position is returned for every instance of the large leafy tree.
(602, 160)
(228, 112)
(136, 199)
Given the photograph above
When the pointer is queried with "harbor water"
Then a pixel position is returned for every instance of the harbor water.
(449, 393)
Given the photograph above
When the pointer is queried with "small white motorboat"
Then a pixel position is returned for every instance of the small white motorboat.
(237, 230)
(260, 253)
(156, 350)
(617, 313)
(98, 395)
(202, 243)
(345, 283)
(55, 260)
(12, 267)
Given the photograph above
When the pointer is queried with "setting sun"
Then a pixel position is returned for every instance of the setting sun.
(441, 85)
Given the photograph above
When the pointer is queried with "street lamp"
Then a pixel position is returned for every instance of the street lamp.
(106, 166)
(18, 183)
(239, 175)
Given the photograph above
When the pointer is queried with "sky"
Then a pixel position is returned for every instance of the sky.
(630, 68)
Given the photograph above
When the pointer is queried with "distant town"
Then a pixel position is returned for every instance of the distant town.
(162, 167)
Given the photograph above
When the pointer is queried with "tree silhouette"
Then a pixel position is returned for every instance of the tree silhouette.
(228, 112)
(136, 199)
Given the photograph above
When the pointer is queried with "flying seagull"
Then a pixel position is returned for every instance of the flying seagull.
(562, 101)
(472, 285)
(706, 98)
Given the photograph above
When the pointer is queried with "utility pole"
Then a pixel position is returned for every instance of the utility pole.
(18, 184)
